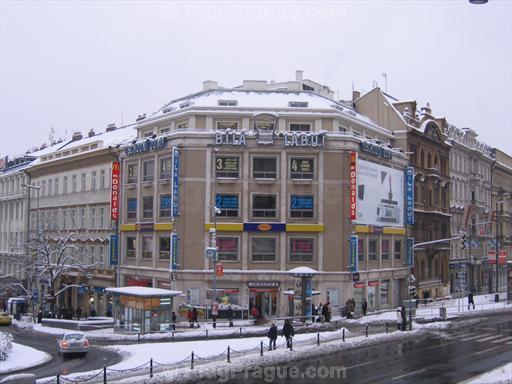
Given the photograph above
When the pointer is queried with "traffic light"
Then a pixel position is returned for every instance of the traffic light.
(463, 240)
(412, 290)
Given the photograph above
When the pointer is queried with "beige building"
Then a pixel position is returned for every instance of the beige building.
(275, 162)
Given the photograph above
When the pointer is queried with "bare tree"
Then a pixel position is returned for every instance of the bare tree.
(54, 256)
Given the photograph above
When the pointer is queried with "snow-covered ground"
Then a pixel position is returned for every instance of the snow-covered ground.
(22, 357)
(500, 375)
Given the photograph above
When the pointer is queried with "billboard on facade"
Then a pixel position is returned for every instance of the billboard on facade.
(114, 197)
(380, 195)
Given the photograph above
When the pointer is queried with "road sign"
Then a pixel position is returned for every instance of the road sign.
(219, 269)
(355, 277)
(211, 253)
(35, 294)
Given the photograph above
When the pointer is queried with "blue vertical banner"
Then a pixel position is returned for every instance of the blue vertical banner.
(409, 195)
(410, 252)
(114, 249)
(353, 253)
(174, 251)
(308, 295)
(175, 181)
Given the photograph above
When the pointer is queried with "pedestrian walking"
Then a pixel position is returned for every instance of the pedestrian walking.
(255, 312)
(364, 306)
(319, 311)
(352, 307)
(39, 317)
(399, 319)
(404, 319)
(288, 332)
(272, 336)
(471, 300)
(195, 315)
(190, 317)
(230, 315)
(325, 312)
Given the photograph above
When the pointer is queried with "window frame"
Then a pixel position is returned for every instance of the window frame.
(167, 251)
(302, 260)
(130, 212)
(292, 211)
(168, 211)
(144, 210)
(303, 124)
(227, 212)
(227, 122)
(167, 174)
(227, 174)
(144, 253)
(131, 253)
(252, 246)
(132, 179)
(372, 255)
(301, 175)
(265, 210)
(400, 251)
(264, 174)
(220, 252)
(385, 255)
(148, 178)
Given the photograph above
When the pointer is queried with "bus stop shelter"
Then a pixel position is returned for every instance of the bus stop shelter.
(141, 309)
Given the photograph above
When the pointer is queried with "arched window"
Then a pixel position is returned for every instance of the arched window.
(429, 161)
(422, 159)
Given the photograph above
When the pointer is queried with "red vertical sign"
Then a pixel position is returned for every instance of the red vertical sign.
(353, 186)
(114, 197)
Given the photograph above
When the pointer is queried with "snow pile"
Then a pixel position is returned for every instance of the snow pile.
(22, 357)
(5, 345)
(500, 375)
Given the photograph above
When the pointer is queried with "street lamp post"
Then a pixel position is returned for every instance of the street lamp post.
(213, 233)
(34, 280)
(497, 295)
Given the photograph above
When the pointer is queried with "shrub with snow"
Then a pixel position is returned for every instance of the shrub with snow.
(5, 345)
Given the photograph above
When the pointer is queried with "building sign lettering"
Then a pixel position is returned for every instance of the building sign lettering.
(409, 195)
(297, 139)
(146, 145)
(375, 149)
(353, 185)
(230, 138)
(115, 189)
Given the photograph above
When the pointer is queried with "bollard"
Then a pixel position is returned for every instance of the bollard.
(261, 348)
(318, 338)
(104, 374)
(387, 329)
(58, 378)
(172, 337)
(207, 334)
(343, 335)
(173, 327)
(215, 323)
(151, 368)
(291, 343)
(192, 360)
(229, 354)
(336, 324)
(366, 330)
(240, 331)
(138, 337)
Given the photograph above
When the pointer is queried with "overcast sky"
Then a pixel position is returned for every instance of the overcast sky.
(81, 65)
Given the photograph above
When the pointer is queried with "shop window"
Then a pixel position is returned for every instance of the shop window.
(301, 250)
(398, 249)
(372, 250)
(164, 247)
(131, 247)
(228, 205)
(263, 249)
(301, 206)
(227, 248)
(147, 247)
(385, 249)
(264, 206)
(264, 168)
(301, 169)
(227, 166)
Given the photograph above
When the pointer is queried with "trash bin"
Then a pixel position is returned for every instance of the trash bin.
(442, 312)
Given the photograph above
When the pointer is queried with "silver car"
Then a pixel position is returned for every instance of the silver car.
(73, 343)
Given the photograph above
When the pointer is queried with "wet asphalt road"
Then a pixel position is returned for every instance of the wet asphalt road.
(442, 357)
(94, 360)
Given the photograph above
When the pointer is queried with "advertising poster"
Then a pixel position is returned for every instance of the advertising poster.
(380, 195)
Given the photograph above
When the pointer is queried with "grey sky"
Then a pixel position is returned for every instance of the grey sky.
(81, 65)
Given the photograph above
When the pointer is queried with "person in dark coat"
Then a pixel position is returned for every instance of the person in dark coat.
(190, 318)
(39, 317)
(404, 319)
(471, 300)
(272, 335)
(194, 313)
(255, 312)
(288, 332)
(364, 306)
(325, 311)
(230, 315)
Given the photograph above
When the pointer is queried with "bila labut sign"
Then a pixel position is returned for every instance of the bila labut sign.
(175, 182)
(115, 188)
(375, 149)
(409, 195)
(353, 185)
(147, 145)
(353, 253)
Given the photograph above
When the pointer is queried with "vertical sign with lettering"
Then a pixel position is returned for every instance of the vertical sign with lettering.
(410, 252)
(114, 246)
(409, 195)
(175, 181)
(353, 185)
(174, 251)
(114, 198)
(353, 253)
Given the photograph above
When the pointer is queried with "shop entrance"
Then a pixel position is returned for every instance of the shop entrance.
(265, 300)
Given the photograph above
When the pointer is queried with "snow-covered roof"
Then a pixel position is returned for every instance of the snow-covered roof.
(291, 292)
(143, 291)
(303, 270)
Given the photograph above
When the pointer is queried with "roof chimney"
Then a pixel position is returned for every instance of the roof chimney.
(141, 117)
(91, 133)
(355, 95)
(298, 75)
(209, 84)
(77, 135)
(111, 127)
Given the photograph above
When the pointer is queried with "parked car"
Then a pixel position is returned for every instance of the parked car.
(5, 318)
(73, 343)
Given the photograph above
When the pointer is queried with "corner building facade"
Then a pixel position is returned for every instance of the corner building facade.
(276, 163)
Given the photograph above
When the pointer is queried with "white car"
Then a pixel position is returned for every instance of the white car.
(73, 342)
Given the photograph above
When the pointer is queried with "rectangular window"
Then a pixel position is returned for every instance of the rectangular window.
(148, 170)
(398, 249)
(360, 250)
(372, 250)
(228, 205)
(50, 188)
(93, 187)
(263, 249)
(385, 249)
(165, 168)
(131, 247)
(165, 205)
(298, 104)
(102, 218)
(93, 218)
(147, 247)
(132, 173)
(64, 220)
(301, 250)
(301, 206)
(300, 127)
(227, 166)
(182, 125)
(73, 183)
(82, 218)
(164, 247)
(102, 179)
(264, 206)
(56, 186)
(301, 169)
(223, 125)
(147, 207)
(82, 182)
(384, 292)
(264, 168)
(227, 248)
(43, 188)
(131, 211)
(73, 220)
(100, 255)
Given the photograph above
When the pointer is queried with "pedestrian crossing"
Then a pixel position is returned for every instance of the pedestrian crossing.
(483, 338)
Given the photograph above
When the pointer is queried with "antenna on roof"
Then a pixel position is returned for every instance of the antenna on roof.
(352, 85)
(385, 76)
(122, 118)
(51, 135)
